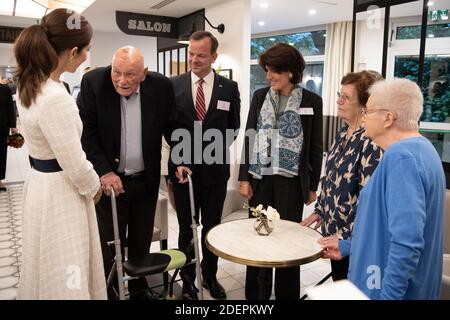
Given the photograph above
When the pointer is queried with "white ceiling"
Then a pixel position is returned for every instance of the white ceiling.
(289, 14)
(278, 15)
(101, 14)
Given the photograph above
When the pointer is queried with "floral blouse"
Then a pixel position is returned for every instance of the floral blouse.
(348, 167)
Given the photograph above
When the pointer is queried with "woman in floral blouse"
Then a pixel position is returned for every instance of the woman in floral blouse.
(350, 162)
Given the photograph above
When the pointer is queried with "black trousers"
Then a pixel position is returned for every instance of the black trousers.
(135, 209)
(339, 269)
(209, 202)
(3, 150)
(284, 194)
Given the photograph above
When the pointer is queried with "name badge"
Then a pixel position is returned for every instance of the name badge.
(223, 105)
(306, 111)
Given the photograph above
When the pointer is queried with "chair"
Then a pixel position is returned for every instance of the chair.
(161, 225)
(447, 223)
(445, 291)
(233, 207)
(152, 263)
(161, 228)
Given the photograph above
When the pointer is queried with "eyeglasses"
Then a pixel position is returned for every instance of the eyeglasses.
(365, 112)
(342, 96)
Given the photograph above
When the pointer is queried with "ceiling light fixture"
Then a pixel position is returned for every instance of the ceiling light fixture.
(38, 8)
(264, 5)
(261, 23)
(312, 12)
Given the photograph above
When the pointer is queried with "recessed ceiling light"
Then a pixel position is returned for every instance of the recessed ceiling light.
(272, 39)
(312, 12)
(430, 3)
(431, 35)
(264, 5)
(261, 23)
(37, 8)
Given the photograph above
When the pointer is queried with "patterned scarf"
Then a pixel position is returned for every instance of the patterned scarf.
(277, 151)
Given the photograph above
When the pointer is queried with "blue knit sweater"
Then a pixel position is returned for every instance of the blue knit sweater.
(397, 243)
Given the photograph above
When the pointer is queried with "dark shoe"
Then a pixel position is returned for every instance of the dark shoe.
(189, 291)
(215, 288)
(2, 188)
(146, 295)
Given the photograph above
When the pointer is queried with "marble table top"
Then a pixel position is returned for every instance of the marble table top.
(288, 245)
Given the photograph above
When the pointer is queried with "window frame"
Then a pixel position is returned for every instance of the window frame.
(308, 59)
(411, 47)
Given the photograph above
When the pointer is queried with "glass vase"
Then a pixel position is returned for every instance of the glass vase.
(263, 226)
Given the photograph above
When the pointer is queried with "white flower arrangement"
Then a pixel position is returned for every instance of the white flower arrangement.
(270, 213)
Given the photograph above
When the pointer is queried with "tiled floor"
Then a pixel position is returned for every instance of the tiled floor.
(10, 240)
(230, 275)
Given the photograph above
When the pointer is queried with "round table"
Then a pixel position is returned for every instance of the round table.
(289, 244)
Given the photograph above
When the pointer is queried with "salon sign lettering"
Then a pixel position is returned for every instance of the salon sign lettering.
(147, 25)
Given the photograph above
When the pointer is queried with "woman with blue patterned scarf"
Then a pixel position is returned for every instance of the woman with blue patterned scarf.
(281, 166)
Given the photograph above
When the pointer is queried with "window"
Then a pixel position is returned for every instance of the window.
(308, 43)
(435, 119)
(436, 90)
(413, 32)
(312, 46)
(404, 63)
(172, 61)
(313, 76)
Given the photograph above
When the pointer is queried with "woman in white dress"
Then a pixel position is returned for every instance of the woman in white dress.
(61, 247)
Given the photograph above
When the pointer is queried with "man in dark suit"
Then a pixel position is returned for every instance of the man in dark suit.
(125, 111)
(213, 101)
(7, 123)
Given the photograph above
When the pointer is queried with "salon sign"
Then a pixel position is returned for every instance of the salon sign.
(9, 34)
(147, 25)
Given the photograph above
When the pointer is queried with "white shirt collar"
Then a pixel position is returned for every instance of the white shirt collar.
(209, 78)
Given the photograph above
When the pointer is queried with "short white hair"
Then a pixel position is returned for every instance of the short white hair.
(401, 96)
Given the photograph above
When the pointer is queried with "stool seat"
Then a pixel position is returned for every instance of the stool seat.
(158, 262)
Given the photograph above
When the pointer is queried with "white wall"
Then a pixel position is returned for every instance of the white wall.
(6, 55)
(6, 49)
(104, 44)
(234, 53)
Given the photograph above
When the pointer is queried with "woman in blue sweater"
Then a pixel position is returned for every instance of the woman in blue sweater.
(396, 245)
